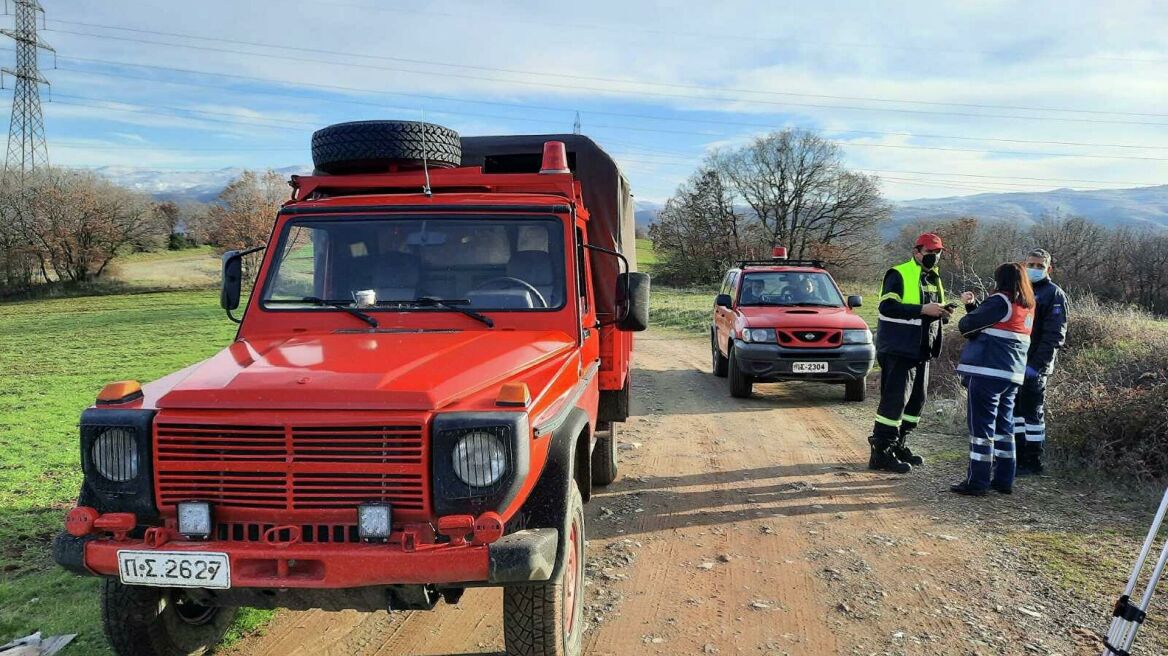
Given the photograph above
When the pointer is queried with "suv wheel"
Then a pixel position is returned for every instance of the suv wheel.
(719, 361)
(548, 619)
(741, 385)
(604, 466)
(856, 390)
(143, 621)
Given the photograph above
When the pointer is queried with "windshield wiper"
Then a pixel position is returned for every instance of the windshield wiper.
(338, 304)
(446, 304)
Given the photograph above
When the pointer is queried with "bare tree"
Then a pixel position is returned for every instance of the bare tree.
(246, 210)
(802, 196)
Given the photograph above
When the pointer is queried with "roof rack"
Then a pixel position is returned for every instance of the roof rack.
(818, 264)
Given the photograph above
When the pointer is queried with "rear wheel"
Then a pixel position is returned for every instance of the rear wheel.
(741, 385)
(548, 619)
(143, 621)
(604, 464)
(856, 390)
(719, 361)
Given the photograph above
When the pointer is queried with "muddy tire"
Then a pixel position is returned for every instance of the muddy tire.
(378, 146)
(856, 390)
(741, 385)
(548, 619)
(720, 363)
(604, 460)
(143, 621)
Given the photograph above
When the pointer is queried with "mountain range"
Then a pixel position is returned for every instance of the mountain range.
(1139, 206)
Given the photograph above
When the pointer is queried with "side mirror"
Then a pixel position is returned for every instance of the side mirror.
(633, 289)
(232, 286)
(855, 301)
(723, 300)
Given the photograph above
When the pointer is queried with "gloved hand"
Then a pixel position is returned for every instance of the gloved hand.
(1031, 372)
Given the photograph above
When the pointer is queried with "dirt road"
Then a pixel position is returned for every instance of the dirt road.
(743, 527)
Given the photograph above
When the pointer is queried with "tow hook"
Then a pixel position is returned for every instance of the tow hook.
(83, 520)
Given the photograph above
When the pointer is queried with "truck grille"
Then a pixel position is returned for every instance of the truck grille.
(292, 467)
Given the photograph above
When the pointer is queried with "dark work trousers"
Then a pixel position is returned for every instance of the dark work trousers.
(1030, 422)
(904, 385)
(990, 413)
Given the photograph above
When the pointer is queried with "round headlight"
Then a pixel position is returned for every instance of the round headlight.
(115, 454)
(479, 459)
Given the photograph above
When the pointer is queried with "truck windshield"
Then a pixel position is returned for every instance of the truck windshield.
(436, 264)
(789, 288)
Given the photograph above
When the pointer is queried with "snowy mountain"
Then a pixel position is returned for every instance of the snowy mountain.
(203, 186)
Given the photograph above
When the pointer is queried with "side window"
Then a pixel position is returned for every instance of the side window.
(581, 272)
(297, 273)
(731, 281)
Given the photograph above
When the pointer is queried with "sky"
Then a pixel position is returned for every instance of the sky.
(977, 96)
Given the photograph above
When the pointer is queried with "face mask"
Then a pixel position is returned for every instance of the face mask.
(1036, 274)
(929, 260)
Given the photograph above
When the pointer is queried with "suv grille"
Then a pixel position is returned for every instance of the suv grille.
(292, 467)
(810, 338)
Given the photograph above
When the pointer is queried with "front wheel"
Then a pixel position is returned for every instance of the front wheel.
(548, 619)
(741, 385)
(604, 465)
(143, 621)
(856, 390)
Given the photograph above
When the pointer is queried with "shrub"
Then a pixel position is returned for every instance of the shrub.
(1107, 402)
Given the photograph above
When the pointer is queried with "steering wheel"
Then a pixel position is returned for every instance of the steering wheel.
(518, 283)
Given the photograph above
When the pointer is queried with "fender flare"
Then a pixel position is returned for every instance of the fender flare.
(547, 505)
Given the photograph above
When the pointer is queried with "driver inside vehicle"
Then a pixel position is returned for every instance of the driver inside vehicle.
(752, 291)
(803, 291)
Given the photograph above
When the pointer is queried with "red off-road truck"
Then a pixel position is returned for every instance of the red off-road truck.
(423, 391)
(782, 319)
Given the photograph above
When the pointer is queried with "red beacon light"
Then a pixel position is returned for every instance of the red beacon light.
(779, 253)
(555, 158)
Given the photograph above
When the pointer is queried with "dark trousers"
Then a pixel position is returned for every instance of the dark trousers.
(1030, 422)
(904, 385)
(990, 413)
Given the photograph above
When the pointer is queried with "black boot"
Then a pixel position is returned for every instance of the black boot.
(884, 459)
(905, 454)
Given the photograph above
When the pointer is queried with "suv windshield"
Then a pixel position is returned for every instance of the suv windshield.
(485, 263)
(789, 288)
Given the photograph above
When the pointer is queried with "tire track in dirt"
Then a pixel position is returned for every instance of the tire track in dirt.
(756, 530)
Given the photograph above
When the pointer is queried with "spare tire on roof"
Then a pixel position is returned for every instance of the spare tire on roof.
(377, 146)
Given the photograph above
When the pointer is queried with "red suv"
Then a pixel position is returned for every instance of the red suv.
(785, 319)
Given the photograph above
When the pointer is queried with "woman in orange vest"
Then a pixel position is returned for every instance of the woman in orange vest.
(993, 367)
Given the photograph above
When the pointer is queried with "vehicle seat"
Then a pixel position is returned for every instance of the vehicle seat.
(535, 268)
(397, 277)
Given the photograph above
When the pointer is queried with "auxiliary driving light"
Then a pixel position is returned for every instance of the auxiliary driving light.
(194, 519)
(374, 521)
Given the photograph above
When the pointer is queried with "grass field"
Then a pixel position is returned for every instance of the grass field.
(56, 355)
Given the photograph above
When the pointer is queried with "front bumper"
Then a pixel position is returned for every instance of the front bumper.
(521, 557)
(772, 362)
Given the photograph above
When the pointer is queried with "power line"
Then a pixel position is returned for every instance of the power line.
(593, 78)
(528, 106)
(597, 89)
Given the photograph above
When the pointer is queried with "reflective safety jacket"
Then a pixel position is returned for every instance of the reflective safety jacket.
(999, 337)
(1050, 325)
(901, 330)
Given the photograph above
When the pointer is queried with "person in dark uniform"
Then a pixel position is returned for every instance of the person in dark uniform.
(992, 368)
(1050, 333)
(908, 335)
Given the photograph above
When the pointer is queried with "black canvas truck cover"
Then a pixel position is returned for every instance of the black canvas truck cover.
(606, 194)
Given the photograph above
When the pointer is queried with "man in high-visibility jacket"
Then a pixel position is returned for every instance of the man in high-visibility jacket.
(908, 335)
(1050, 332)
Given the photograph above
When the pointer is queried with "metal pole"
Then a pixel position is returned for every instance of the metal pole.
(1126, 617)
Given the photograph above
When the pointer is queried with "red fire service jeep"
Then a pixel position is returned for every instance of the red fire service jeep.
(421, 396)
(783, 319)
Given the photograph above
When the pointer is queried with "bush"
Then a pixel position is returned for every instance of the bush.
(1107, 402)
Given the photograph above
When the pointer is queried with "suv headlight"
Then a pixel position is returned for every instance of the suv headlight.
(758, 335)
(115, 454)
(863, 336)
(480, 459)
